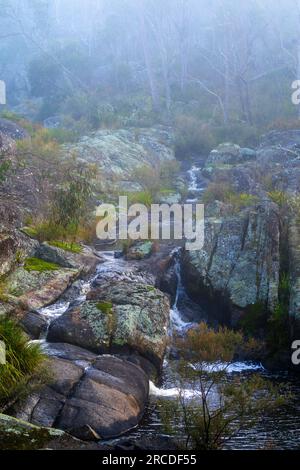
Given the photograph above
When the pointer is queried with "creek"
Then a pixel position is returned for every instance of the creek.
(280, 431)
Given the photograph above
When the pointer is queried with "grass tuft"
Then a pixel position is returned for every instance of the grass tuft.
(23, 360)
(39, 265)
(71, 247)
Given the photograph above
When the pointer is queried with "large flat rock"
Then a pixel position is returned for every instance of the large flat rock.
(90, 397)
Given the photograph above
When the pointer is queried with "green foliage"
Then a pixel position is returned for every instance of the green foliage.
(156, 178)
(242, 200)
(71, 247)
(195, 137)
(278, 337)
(254, 320)
(241, 134)
(222, 191)
(71, 200)
(45, 231)
(41, 151)
(140, 197)
(105, 307)
(192, 137)
(39, 265)
(23, 360)
(62, 135)
(279, 197)
(84, 111)
(29, 126)
(10, 116)
(3, 291)
(4, 169)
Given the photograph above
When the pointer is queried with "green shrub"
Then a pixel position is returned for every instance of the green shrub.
(23, 360)
(63, 135)
(105, 307)
(141, 197)
(41, 149)
(154, 179)
(222, 191)
(45, 231)
(191, 137)
(255, 319)
(10, 116)
(278, 337)
(241, 134)
(242, 200)
(279, 197)
(4, 169)
(39, 265)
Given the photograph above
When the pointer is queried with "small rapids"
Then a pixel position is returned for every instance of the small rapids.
(280, 432)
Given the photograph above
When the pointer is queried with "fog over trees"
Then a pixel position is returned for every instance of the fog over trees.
(233, 61)
(122, 123)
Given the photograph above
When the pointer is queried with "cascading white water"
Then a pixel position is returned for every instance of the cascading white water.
(194, 187)
(179, 325)
(176, 321)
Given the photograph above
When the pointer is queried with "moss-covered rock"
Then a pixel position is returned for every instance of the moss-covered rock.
(239, 264)
(24, 290)
(116, 317)
(119, 152)
(16, 434)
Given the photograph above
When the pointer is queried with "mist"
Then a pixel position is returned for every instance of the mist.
(228, 61)
(149, 227)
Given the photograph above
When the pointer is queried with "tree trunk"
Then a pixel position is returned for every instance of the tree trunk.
(149, 67)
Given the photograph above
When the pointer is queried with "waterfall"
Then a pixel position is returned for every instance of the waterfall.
(177, 323)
